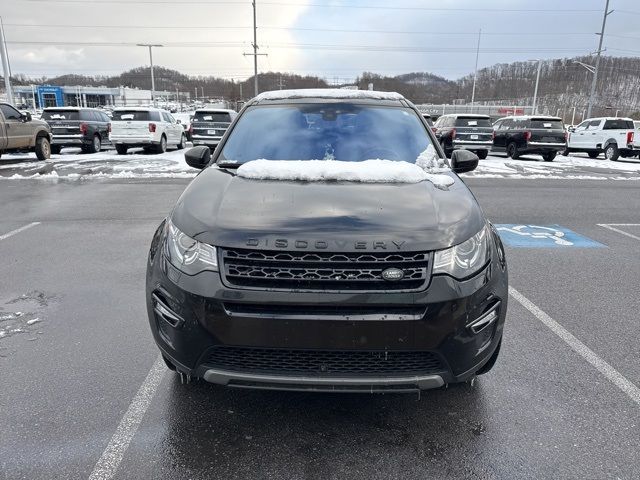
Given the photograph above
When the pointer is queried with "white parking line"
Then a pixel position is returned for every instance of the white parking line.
(615, 377)
(112, 456)
(18, 230)
(612, 226)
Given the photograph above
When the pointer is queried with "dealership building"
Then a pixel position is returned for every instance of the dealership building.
(55, 96)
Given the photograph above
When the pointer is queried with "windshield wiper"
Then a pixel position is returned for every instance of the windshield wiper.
(228, 165)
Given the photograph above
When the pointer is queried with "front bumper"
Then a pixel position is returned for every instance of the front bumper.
(193, 318)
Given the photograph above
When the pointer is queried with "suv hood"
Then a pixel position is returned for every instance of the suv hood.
(222, 209)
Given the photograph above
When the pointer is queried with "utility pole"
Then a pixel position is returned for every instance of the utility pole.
(255, 50)
(280, 83)
(475, 74)
(153, 83)
(196, 90)
(535, 91)
(202, 91)
(595, 73)
(5, 64)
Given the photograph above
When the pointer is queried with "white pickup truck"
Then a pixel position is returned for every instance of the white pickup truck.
(609, 135)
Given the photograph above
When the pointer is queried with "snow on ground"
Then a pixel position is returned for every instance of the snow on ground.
(575, 166)
(71, 164)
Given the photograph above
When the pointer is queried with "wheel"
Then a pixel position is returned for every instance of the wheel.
(95, 146)
(492, 361)
(482, 154)
(512, 151)
(162, 146)
(611, 152)
(549, 156)
(43, 148)
(593, 154)
(121, 149)
(565, 152)
(55, 149)
(183, 142)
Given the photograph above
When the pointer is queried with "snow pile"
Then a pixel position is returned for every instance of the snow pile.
(430, 161)
(368, 171)
(328, 93)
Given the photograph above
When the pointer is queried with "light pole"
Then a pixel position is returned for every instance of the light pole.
(534, 107)
(5, 64)
(590, 69)
(475, 74)
(153, 83)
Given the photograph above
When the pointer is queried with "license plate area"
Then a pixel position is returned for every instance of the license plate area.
(212, 132)
(473, 137)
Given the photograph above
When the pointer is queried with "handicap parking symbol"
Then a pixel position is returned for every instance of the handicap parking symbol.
(543, 236)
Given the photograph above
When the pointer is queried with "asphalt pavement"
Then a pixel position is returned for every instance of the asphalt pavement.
(82, 395)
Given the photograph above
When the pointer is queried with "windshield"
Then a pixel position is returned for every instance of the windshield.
(547, 124)
(472, 122)
(211, 117)
(61, 115)
(333, 131)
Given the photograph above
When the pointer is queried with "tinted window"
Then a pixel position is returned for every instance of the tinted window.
(211, 117)
(61, 115)
(546, 124)
(326, 132)
(472, 122)
(132, 115)
(618, 125)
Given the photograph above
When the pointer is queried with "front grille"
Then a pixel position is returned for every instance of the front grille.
(322, 271)
(335, 311)
(323, 362)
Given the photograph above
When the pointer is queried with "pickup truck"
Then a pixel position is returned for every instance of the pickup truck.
(20, 133)
(609, 135)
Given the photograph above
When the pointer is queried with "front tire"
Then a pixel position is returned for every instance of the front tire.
(122, 149)
(55, 149)
(611, 152)
(183, 142)
(43, 148)
(482, 154)
(96, 145)
(565, 152)
(162, 146)
(512, 151)
(549, 156)
(593, 154)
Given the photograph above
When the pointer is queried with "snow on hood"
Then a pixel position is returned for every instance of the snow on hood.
(368, 171)
(328, 93)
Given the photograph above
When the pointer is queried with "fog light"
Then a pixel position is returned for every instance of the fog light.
(165, 313)
(486, 319)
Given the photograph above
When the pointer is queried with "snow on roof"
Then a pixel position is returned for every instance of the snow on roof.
(328, 93)
(426, 168)
(139, 109)
(215, 110)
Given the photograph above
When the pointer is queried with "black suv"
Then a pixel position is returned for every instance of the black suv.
(87, 128)
(465, 131)
(208, 125)
(523, 135)
(294, 262)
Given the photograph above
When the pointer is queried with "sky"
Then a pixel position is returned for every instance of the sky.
(335, 39)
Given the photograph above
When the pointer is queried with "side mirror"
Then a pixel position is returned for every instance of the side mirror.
(198, 157)
(463, 161)
(26, 117)
(571, 129)
(178, 121)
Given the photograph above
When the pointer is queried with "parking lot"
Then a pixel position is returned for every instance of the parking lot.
(85, 394)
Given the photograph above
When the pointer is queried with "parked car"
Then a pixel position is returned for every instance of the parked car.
(184, 119)
(87, 128)
(466, 132)
(522, 135)
(613, 136)
(21, 133)
(270, 274)
(151, 128)
(209, 125)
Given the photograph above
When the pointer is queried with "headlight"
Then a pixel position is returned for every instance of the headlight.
(188, 255)
(465, 259)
